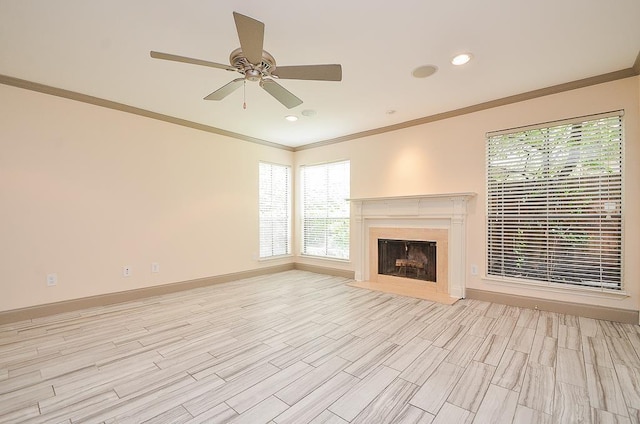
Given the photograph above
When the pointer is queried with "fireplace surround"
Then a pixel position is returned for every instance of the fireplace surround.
(437, 218)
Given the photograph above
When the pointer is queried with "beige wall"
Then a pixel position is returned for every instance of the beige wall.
(449, 156)
(86, 190)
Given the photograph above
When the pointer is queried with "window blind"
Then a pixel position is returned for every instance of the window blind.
(326, 210)
(554, 203)
(274, 209)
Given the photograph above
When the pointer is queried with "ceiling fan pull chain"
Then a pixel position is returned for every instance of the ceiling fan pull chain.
(244, 95)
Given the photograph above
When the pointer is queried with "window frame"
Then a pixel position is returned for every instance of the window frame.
(282, 251)
(345, 218)
(619, 189)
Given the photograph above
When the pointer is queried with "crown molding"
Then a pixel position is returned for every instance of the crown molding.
(634, 70)
(97, 101)
(585, 82)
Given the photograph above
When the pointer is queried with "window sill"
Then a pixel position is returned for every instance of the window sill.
(593, 292)
(325, 258)
(275, 258)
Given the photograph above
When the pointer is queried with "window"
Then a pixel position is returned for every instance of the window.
(554, 203)
(325, 210)
(275, 210)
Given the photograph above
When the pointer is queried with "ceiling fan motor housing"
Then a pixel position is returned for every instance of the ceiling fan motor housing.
(252, 72)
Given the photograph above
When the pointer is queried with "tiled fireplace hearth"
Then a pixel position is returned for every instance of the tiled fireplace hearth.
(438, 219)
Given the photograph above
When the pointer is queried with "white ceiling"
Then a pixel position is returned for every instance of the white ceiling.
(101, 48)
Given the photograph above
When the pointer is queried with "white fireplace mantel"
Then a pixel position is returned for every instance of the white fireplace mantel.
(436, 211)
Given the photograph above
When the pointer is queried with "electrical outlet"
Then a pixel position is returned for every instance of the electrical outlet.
(474, 269)
(126, 271)
(155, 267)
(52, 279)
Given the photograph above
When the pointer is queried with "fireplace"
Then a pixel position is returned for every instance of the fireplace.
(407, 258)
(403, 239)
(436, 218)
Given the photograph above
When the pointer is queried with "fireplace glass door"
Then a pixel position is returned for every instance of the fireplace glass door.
(407, 259)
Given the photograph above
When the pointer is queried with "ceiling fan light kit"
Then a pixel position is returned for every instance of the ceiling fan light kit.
(257, 65)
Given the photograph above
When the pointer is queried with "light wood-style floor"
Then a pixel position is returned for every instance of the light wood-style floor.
(298, 347)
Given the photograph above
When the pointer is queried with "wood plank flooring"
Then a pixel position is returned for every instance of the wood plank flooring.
(298, 347)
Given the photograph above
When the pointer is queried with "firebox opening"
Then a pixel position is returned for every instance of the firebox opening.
(407, 258)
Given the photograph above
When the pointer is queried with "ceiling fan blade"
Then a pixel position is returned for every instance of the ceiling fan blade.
(280, 93)
(251, 36)
(225, 90)
(176, 58)
(309, 72)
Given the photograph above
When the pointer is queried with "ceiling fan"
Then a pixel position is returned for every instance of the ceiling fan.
(255, 64)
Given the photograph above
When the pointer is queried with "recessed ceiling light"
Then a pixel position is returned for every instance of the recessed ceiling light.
(391, 111)
(461, 59)
(291, 118)
(424, 71)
